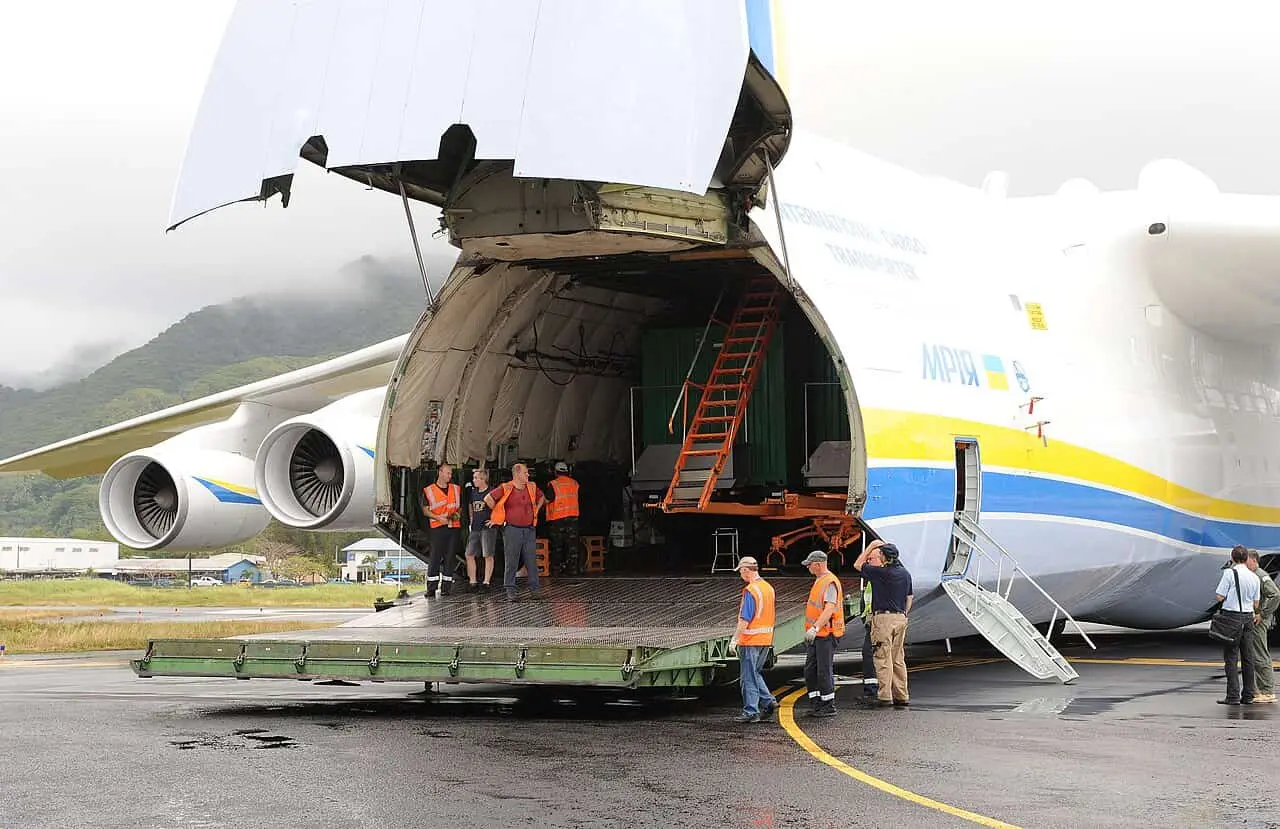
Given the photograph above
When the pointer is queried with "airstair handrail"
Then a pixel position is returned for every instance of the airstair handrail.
(688, 376)
(975, 529)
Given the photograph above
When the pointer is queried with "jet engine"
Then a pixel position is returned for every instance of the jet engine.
(181, 497)
(315, 471)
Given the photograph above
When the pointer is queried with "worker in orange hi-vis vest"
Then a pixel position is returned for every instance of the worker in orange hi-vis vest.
(752, 640)
(443, 508)
(824, 625)
(562, 522)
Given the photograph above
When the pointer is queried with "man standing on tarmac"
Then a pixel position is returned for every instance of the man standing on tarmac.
(515, 507)
(483, 540)
(1255, 641)
(891, 597)
(1238, 590)
(443, 510)
(870, 683)
(824, 625)
(752, 640)
(562, 522)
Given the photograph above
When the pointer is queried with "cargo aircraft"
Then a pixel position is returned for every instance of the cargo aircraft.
(1074, 398)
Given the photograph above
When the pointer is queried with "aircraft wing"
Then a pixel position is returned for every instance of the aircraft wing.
(1216, 264)
(304, 390)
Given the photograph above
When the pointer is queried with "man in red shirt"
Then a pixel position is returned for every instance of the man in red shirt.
(515, 507)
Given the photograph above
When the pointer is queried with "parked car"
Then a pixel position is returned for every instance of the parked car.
(205, 581)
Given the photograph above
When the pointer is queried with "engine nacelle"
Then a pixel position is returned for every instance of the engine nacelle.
(315, 472)
(181, 497)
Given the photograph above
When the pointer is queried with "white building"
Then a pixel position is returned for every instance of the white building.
(230, 568)
(386, 559)
(39, 555)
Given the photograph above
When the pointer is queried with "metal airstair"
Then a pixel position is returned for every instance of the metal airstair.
(723, 401)
(991, 612)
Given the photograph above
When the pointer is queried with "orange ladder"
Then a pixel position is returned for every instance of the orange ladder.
(723, 403)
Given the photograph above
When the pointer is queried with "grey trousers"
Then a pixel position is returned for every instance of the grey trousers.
(1258, 652)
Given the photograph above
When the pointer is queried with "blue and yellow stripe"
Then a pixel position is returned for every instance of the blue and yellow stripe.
(229, 493)
(913, 473)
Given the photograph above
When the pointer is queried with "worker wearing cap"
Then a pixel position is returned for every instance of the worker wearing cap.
(870, 684)
(752, 640)
(562, 522)
(824, 625)
(891, 597)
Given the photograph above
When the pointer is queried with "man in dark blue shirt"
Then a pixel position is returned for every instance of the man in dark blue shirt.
(891, 598)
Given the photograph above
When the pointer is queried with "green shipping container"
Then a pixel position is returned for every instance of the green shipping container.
(665, 354)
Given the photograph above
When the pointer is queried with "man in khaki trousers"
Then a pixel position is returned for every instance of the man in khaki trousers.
(891, 598)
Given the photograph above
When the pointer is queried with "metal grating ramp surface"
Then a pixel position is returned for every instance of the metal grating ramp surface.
(648, 612)
(617, 632)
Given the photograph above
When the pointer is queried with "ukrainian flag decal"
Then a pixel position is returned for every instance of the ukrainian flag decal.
(229, 493)
(996, 378)
(367, 451)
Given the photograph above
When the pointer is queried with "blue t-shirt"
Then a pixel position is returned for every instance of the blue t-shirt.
(480, 512)
(890, 587)
(748, 607)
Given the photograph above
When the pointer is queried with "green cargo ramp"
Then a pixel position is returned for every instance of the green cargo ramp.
(610, 632)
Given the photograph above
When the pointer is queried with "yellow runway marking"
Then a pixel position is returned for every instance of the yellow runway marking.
(786, 717)
(1140, 660)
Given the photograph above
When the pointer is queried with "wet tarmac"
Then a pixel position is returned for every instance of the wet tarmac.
(1137, 741)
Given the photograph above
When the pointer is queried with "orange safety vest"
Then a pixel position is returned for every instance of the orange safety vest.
(448, 502)
(759, 630)
(499, 515)
(565, 505)
(813, 608)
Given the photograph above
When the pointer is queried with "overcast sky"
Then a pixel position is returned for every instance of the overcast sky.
(96, 99)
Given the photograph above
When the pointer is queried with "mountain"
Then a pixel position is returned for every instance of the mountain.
(216, 348)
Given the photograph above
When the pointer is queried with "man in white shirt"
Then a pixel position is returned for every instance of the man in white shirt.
(1239, 591)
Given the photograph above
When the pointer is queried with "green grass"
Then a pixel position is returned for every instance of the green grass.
(71, 637)
(104, 593)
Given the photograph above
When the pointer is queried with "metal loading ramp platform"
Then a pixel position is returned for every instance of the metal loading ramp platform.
(611, 632)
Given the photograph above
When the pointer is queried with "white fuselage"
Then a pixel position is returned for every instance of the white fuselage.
(1150, 448)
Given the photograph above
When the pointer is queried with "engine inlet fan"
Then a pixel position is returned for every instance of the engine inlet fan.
(315, 473)
(155, 500)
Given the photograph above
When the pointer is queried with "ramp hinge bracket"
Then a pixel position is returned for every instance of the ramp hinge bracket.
(240, 657)
(373, 661)
(629, 666)
(300, 663)
(522, 663)
(453, 665)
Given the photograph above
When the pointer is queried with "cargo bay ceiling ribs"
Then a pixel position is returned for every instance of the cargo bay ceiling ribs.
(583, 358)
